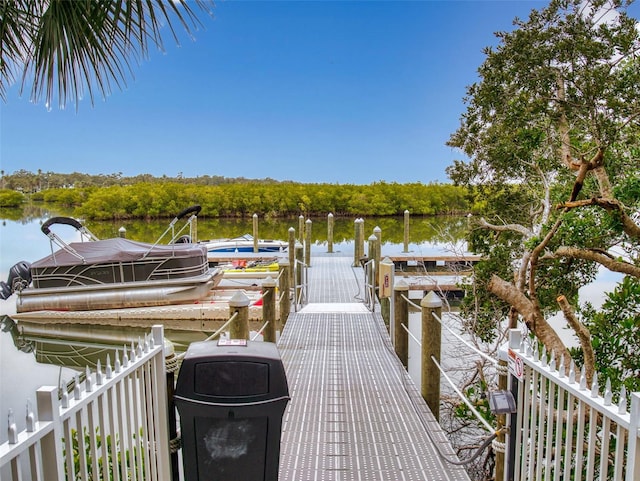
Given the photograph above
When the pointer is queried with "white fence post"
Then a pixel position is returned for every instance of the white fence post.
(49, 411)
(114, 426)
(565, 429)
(160, 395)
(633, 449)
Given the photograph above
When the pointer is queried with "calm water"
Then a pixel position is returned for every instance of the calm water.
(22, 239)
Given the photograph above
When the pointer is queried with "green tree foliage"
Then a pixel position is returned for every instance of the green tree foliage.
(117, 461)
(10, 198)
(65, 197)
(153, 200)
(617, 356)
(551, 131)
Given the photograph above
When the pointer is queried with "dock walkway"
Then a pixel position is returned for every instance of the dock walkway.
(354, 412)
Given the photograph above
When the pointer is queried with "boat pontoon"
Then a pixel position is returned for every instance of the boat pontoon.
(113, 273)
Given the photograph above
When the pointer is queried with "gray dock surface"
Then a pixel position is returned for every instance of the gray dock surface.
(354, 412)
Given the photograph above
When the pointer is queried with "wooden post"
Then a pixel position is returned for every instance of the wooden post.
(401, 316)
(358, 252)
(330, 233)
(373, 273)
(301, 228)
(377, 231)
(501, 419)
(194, 229)
(239, 329)
(285, 299)
(356, 258)
(385, 289)
(360, 239)
(307, 242)
(292, 255)
(406, 231)
(431, 339)
(269, 308)
(255, 233)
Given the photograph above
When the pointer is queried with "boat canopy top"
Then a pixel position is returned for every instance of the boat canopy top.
(117, 250)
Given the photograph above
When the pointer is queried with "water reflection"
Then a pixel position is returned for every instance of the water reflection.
(36, 354)
(8, 325)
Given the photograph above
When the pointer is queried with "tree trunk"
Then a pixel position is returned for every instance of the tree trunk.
(584, 336)
(532, 316)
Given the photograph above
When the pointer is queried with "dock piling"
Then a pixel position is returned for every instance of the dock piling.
(255, 233)
(292, 254)
(406, 231)
(330, 233)
(239, 303)
(358, 251)
(307, 242)
(285, 298)
(269, 309)
(301, 228)
(400, 317)
(431, 305)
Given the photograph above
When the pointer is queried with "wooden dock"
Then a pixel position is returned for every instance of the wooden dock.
(354, 412)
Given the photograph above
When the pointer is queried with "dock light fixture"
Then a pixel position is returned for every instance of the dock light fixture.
(502, 402)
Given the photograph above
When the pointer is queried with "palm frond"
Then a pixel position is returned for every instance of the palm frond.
(70, 49)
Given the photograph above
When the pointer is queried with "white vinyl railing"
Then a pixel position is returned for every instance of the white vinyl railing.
(564, 428)
(112, 427)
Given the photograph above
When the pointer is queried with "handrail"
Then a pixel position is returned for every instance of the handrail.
(215, 334)
(455, 334)
(300, 290)
(369, 285)
(411, 334)
(475, 412)
(463, 341)
(411, 303)
(264, 326)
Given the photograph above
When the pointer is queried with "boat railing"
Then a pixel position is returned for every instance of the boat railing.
(55, 239)
(191, 223)
(113, 425)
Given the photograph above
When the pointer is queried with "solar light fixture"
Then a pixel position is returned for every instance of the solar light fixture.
(502, 402)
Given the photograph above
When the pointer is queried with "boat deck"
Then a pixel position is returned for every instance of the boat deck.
(354, 412)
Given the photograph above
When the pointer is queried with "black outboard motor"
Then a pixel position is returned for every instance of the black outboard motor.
(19, 278)
(5, 290)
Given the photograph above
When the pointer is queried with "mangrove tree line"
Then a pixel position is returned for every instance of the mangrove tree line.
(271, 199)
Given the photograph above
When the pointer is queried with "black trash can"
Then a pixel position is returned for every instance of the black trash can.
(231, 396)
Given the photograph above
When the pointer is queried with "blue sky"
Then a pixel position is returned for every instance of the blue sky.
(332, 91)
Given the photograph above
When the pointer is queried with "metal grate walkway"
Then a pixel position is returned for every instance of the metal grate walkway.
(354, 413)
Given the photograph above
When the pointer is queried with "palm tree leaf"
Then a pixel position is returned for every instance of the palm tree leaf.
(73, 48)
